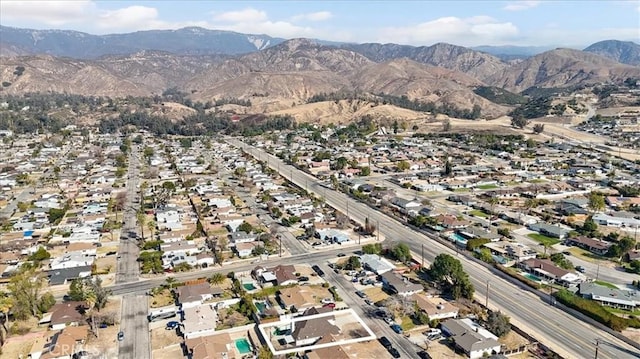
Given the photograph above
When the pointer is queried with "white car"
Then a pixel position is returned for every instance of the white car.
(327, 300)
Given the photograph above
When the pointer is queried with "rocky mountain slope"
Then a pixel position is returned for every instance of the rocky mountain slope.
(626, 52)
(189, 40)
(474, 63)
(561, 68)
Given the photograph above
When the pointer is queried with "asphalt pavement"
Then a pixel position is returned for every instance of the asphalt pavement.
(133, 321)
(564, 333)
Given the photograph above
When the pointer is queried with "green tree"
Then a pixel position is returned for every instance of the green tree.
(538, 128)
(403, 166)
(265, 353)
(372, 248)
(519, 121)
(6, 303)
(365, 171)
(341, 163)
(26, 289)
(148, 152)
(353, 263)
(448, 168)
(40, 255)
(245, 227)
(596, 202)
(402, 252)
(447, 271)
(498, 323)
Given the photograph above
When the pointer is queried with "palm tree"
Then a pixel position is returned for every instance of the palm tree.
(492, 202)
(142, 219)
(151, 225)
(170, 282)
(91, 300)
(217, 278)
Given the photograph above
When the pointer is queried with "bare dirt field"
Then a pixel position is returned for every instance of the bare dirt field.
(161, 338)
(173, 351)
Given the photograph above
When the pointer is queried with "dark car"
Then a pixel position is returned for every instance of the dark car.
(385, 342)
(580, 269)
(361, 294)
(318, 270)
(341, 254)
(172, 325)
(394, 353)
(303, 279)
(424, 355)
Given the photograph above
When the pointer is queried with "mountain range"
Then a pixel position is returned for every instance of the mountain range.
(277, 74)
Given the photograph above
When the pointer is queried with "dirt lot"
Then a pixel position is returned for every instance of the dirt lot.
(162, 299)
(376, 294)
(161, 338)
(106, 265)
(372, 349)
(174, 351)
(20, 346)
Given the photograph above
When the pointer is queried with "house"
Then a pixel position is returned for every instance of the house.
(405, 205)
(218, 346)
(332, 235)
(285, 274)
(400, 285)
(435, 308)
(66, 275)
(64, 344)
(451, 222)
(376, 264)
(310, 331)
(471, 338)
(297, 298)
(192, 295)
(592, 245)
(199, 321)
(611, 297)
(66, 313)
(71, 260)
(546, 269)
(510, 251)
(615, 221)
(549, 230)
(246, 249)
(241, 237)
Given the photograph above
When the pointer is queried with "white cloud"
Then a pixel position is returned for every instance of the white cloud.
(241, 16)
(254, 21)
(128, 17)
(52, 13)
(314, 16)
(521, 5)
(475, 30)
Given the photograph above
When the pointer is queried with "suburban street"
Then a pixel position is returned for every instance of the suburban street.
(569, 336)
(133, 321)
(347, 293)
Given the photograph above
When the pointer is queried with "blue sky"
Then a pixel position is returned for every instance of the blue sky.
(467, 23)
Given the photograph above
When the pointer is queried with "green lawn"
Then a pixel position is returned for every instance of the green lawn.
(478, 213)
(488, 186)
(542, 239)
(407, 323)
(606, 284)
(462, 190)
(537, 180)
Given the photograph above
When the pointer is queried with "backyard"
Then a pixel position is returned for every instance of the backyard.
(542, 239)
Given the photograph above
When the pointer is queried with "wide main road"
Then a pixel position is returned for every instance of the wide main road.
(565, 334)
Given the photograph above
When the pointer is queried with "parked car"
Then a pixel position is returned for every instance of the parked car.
(341, 254)
(318, 270)
(433, 331)
(361, 294)
(330, 305)
(424, 355)
(385, 342)
(396, 328)
(394, 353)
(327, 300)
(172, 325)
(580, 269)
(120, 336)
(368, 301)
(303, 279)
(388, 320)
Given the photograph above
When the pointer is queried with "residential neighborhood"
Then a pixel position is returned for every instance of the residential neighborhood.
(238, 259)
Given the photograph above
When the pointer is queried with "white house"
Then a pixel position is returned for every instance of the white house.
(199, 321)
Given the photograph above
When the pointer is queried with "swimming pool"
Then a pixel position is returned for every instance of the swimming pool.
(458, 238)
(243, 346)
(532, 277)
(261, 306)
(249, 286)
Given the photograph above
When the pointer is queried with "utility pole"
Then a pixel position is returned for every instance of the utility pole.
(422, 252)
(347, 208)
(486, 301)
(280, 239)
(598, 271)
(597, 345)
(378, 224)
